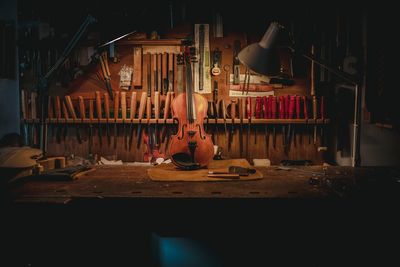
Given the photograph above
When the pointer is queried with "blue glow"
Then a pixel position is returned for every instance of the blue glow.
(176, 252)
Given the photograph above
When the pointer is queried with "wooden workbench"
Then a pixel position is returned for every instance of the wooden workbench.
(128, 182)
(85, 220)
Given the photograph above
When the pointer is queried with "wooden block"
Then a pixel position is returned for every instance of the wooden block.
(137, 67)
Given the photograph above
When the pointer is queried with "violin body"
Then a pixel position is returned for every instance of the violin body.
(190, 147)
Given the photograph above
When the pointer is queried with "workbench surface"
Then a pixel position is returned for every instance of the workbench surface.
(128, 182)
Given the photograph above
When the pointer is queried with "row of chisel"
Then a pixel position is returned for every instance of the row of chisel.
(163, 71)
(128, 109)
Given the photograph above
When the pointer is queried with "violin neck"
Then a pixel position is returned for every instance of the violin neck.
(191, 115)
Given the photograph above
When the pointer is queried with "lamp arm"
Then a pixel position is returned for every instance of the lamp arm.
(44, 81)
(82, 29)
(326, 66)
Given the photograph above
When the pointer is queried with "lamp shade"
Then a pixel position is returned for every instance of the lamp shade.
(261, 57)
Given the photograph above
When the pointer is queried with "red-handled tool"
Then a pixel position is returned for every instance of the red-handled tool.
(273, 116)
(282, 114)
(258, 115)
(290, 115)
(248, 116)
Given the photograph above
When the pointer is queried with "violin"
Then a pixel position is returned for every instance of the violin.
(190, 148)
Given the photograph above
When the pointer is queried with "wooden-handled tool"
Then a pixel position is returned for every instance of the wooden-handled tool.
(164, 73)
(71, 109)
(132, 115)
(157, 114)
(123, 115)
(57, 106)
(248, 116)
(33, 111)
(107, 114)
(66, 117)
(91, 118)
(167, 108)
(314, 109)
(137, 67)
(142, 107)
(159, 73)
(242, 114)
(99, 117)
(116, 112)
(154, 72)
(123, 106)
(82, 111)
(170, 72)
(223, 112)
(24, 114)
(233, 116)
(106, 73)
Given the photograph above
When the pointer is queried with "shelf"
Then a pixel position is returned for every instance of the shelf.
(160, 42)
(171, 121)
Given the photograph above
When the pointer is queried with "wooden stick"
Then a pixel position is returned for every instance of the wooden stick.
(82, 108)
(98, 105)
(116, 104)
(123, 105)
(107, 106)
(157, 105)
(133, 106)
(70, 107)
(137, 66)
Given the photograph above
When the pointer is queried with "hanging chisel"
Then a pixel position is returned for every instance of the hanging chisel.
(165, 73)
(132, 115)
(242, 114)
(290, 112)
(154, 72)
(314, 108)
(66, 117)
(33, 134)
(233, 116)
(166, 115)
(99, 117)
(107, 111)
(116, 115)
(148, 100)
(170, 72)
(273, 116)
(259, 102)
(58, 118)
(142, 106)
(106, 73)
(305, 114)
(266, 115)
(248, 116)
(322, 114)
(179, 72)
(82, 111)
(71, 109)
(91, 118)
(282, 116)
(297, 117)
(123, 114)
(159, 73)
(24, 114)
(212, 114)
(50, 110)
(223, 112)
(137, 67)
(156, 115)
